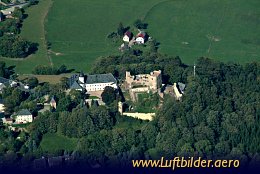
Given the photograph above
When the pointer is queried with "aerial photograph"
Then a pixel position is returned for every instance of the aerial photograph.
(129, 86)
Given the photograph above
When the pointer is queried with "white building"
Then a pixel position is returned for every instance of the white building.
(140, 38)
(90, 83)
(23, 116)
(128, 36)
(2, 106)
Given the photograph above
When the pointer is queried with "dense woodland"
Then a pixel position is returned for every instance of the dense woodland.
(218, 117)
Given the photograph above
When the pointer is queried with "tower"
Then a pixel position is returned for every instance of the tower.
(81, 77)
(120, 107)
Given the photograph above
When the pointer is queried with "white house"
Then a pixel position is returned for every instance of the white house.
(2, 106)
(140, 38)
(96, 82)
(23, 116)
(128, 36)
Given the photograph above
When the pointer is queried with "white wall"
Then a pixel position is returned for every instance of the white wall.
(142, 116)
(140, 40)
(126, 38)
(99, 86)
(24, 119)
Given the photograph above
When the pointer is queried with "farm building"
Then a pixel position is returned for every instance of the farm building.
(128, 36)
(140, 38)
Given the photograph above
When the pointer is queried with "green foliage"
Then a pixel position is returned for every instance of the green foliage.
(216, 125)
(139, 24)
(12, 98)
(10, 26)
(15, 47)
(32, 82)
(173, 69)
(81, 121)
(18, 13)
(4, 71)
(108, 95)
(218, 117)
(120, 29)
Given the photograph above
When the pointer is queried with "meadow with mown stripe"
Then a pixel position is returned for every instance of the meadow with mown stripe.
(225, 30)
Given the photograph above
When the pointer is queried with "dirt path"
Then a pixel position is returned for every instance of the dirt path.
(154, 6)
(43, 21)
(217, 27)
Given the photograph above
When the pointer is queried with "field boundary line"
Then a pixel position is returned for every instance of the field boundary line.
(45, 32)
(155, 5)
(217, 28)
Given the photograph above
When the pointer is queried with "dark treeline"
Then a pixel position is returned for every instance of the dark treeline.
(173, 68)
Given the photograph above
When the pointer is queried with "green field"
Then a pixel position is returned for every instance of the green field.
(53, 142)
(33, 30)
(77, 29)
(226, 30)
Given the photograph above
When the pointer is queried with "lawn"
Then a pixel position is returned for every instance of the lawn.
(33, 30)
(146, 103)
(53, 142)
(227, 30)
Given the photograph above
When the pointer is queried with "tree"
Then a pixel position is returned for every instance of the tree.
(3, 69)
(32, 82)
(139, 24)
(76, 96)
(64, 82)
(62, 69)
(64, 104)
(18, 13)
(120, 29)
(108, 95)
(15, 47)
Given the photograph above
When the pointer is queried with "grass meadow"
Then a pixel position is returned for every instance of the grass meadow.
(226, 30)
(53, 142)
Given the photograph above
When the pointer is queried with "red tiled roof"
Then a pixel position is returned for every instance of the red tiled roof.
(141, 35)
(128, 33)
